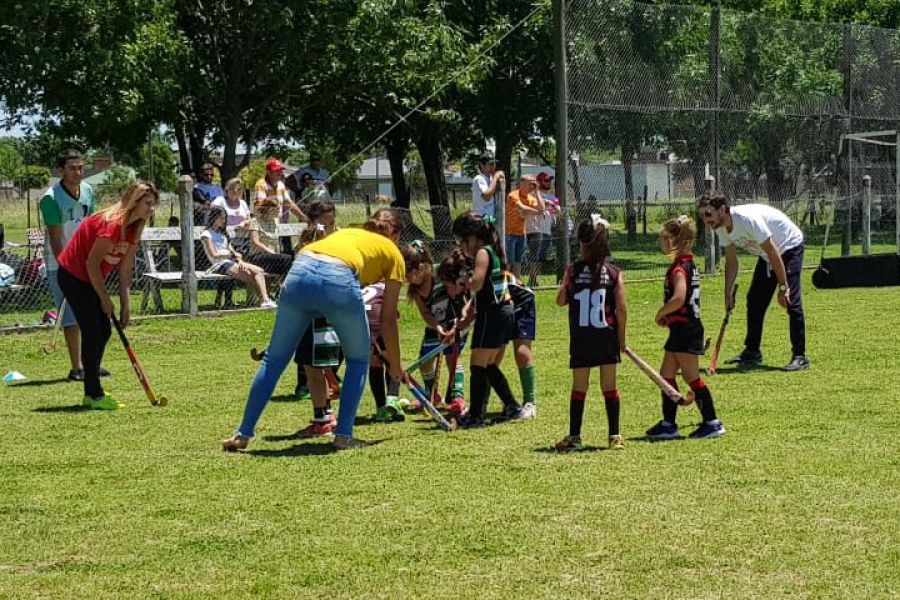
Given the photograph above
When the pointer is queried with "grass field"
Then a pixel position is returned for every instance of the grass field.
(800, 499)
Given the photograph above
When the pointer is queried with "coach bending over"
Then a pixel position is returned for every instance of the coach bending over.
(778, 242)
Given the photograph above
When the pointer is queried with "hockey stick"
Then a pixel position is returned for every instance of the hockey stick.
(139, 371)
(417, 391)
(667, 388)
(435, 386)
(51, 345)
(714, 359)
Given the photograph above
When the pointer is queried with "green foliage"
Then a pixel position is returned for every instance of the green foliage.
(31, 177)
(253, 172)
(11, 162)
(165, 165)
(118, 178)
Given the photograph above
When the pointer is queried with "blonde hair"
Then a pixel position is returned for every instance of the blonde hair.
(128, 203)
(678, 235)
(234, 182)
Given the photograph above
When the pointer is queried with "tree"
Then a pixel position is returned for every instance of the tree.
(31, 177)
(11, 162)
(164, 164)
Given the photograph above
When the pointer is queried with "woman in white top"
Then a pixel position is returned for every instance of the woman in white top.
(225, 260)
(235, 208)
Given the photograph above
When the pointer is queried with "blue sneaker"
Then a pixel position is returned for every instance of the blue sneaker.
(663, 431)
(709, 429)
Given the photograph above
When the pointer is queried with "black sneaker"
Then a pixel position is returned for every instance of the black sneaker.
(104, 372)
(747, 358)
(798, 363)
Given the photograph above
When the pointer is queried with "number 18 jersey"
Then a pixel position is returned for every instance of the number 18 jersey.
(593, 336)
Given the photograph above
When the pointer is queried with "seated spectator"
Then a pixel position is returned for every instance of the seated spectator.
(262, 240)
(236, 210)
(205, 191)
(226, 261)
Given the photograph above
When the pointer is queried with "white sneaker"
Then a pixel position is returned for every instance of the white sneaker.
(529, 411)
(269, 304)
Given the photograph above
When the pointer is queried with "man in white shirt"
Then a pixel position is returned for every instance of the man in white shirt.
(778, 242)
(485, 185)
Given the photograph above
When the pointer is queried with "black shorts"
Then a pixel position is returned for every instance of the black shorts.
(684, 337)
(601, 349)
(525, 326)
(493, 327)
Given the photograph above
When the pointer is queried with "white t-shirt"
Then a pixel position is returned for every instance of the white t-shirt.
(480, 185)
(236, 216)
(753, 224)
(220, 244)
(547, 219)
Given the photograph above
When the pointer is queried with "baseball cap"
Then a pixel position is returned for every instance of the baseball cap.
(542, 177)
(273, 164)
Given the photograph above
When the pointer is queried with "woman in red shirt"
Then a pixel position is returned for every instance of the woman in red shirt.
(104, 241)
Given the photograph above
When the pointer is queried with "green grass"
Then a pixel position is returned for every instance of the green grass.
(798, 500)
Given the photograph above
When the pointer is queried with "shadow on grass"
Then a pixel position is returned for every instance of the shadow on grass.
(42, 382)
(309, 448)
(284, 398)
(77, 408)
(737, 370)
(587, 450)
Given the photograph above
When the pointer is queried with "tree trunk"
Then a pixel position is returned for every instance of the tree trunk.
(428, 143)
(229, 167)
(184, 157)
(504, 158)
(198, 153)
(397, 147)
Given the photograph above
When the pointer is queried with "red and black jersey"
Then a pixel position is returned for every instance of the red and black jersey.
(593, 337)
(689, 312)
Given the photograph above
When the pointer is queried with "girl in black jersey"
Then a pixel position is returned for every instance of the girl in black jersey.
(494, 317)
(594, 290)
(680, 312)
(441, 305)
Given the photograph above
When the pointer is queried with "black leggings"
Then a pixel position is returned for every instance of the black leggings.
(95, 328)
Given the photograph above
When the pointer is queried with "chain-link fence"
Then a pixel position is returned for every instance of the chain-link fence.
(660, 97)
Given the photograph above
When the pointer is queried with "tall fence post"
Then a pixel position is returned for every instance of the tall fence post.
(188, 275)
(867, 215)
(562, 122)
(715, 52)
(500, 213)
(709, 188)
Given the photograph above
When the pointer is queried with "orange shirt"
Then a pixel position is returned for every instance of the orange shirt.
(515, 222)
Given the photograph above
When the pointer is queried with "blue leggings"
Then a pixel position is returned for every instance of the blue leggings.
(315, 287)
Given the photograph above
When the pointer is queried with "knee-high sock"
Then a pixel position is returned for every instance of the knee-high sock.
(528, 377)
(611, 400)
(669, 408)
(576, 413)
(704, 399)
(501, 385)
(459, 382)
(478, 391)
(376, 384)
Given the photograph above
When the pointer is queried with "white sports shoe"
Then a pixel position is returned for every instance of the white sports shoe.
(529, 412)
(269, 304)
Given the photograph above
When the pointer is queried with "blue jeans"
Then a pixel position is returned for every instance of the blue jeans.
(315, 287)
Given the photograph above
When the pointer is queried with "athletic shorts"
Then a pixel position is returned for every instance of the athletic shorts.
(220, 268)
(494, 327)
(685, 338)
(320, 346)
(68, 317)
(430, 341)
(525, 325)
(603, 351)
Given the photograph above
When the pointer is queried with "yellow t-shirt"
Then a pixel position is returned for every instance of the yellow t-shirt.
(373, 256)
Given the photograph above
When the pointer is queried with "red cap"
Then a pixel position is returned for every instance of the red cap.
(273, 164)
(542, 177)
